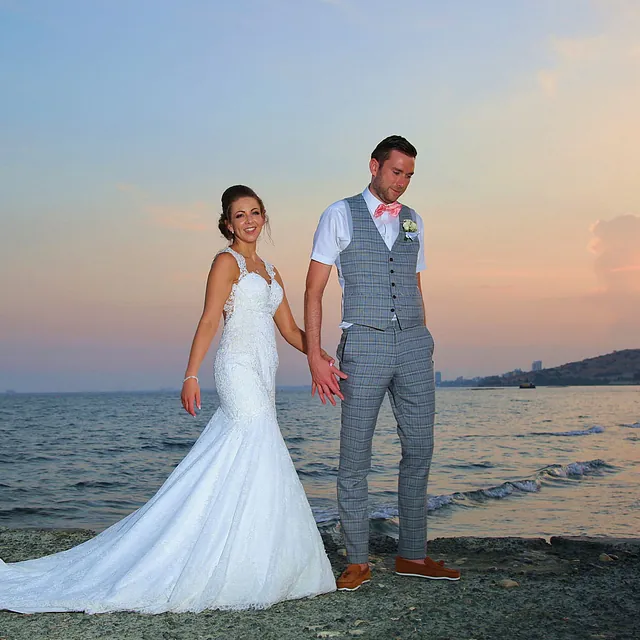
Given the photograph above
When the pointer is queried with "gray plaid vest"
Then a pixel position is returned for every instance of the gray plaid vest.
(379, 283)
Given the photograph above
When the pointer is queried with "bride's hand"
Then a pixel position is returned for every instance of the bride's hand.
(190, 396)
(327, 357)
(332, 385)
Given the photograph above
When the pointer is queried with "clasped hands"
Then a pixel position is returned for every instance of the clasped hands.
(325, 377)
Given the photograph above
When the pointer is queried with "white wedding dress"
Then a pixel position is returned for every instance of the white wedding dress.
(230, 528)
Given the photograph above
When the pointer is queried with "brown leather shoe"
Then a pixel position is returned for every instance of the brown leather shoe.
(428, 568)
(353, 577)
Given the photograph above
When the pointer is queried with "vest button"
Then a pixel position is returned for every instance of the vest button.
(394, 297)
(391, 271)
(390, 259)
(393, 284)
(393, 310)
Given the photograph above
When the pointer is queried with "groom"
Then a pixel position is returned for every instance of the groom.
(377, 246)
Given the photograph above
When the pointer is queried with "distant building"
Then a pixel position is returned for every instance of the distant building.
(536, 365)
(513, 372)
(438, 378)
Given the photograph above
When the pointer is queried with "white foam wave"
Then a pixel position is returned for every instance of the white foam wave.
(436, 502)
(528, 486)
(575, 469)
(385, 512)
(500, 491)
(533, 484)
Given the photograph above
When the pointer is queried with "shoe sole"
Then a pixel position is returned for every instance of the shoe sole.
(420, 575)
(354, 588)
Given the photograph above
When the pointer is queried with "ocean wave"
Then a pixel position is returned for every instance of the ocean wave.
(318, 470)
(178, 444)
(96, 484)
(169, 444)
(575, 432)
(485, 464)
(634, 425)
(575, 469)
(325, 516)
(315, 473)
(532, 484)
(8, 514)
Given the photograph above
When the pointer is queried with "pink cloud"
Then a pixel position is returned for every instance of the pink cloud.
(195, 217)
(631, 267)
(616, 244)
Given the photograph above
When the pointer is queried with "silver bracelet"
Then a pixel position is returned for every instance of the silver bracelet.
(189, 378)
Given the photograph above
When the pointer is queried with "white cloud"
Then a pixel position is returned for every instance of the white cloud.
(574, 50)
(548, 82)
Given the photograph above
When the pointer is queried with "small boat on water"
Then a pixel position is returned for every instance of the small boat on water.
(527, 385)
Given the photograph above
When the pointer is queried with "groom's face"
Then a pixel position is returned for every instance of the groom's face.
(391, 178)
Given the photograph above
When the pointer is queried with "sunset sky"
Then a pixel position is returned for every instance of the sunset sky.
(122, 121)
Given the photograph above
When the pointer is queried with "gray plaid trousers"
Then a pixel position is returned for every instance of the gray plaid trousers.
(398, 362)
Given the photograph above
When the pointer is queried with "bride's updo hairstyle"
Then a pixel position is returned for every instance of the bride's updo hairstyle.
(228, 198)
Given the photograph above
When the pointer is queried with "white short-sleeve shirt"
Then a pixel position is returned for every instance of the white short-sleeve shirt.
(333, 234)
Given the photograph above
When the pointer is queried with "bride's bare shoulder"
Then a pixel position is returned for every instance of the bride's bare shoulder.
(225, 265)
(224, 257)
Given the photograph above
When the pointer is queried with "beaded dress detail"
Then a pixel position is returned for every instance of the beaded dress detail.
(231, 527)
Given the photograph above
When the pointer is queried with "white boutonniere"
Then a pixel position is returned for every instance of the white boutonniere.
(410, 229)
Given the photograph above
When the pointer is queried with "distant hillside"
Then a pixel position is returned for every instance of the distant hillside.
(619, 367)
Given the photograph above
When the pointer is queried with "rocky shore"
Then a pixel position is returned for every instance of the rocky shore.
(511, 588)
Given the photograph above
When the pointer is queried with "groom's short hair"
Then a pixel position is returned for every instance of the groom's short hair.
(393, 143)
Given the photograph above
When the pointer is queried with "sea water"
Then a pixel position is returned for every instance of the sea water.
(534, 462)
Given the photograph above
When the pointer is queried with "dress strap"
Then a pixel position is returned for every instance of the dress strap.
(270, 270)
(242, 263)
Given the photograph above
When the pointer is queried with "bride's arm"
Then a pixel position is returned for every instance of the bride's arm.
(286, 323)
(224, 272)
(287, 326)
(292, 333)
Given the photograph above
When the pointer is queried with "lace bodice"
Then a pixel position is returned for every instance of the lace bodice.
(252, 293)
(247, 359)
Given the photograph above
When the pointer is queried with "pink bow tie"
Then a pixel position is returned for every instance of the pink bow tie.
(392, 209)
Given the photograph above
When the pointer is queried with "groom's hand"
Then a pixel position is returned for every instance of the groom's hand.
(325, 377)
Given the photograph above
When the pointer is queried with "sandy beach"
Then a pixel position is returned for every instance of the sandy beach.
(568, 587)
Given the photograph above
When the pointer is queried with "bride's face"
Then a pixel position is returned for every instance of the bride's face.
(246, 220)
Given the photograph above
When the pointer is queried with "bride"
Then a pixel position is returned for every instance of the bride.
(231, 527)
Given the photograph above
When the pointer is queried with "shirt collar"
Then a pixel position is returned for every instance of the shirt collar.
(371, 200)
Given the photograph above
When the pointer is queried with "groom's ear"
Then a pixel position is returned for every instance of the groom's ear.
(374, 165)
